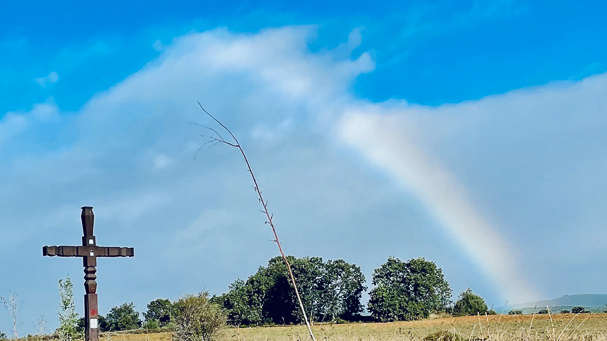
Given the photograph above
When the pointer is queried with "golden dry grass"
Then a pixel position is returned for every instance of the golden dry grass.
(561, 327)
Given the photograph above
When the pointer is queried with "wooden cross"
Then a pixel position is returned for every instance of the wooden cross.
(89, 251)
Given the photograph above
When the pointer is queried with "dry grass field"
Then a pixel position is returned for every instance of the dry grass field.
(558, 327)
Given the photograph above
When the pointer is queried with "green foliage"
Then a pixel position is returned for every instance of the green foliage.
(515, 312)
(3, 336)
(342, 286)
(68, 318)
(197, 318)
(564, 311)
(579, 310)
(408, 290)
(151, 325)
(469, 303)
(124, 317)
(159, 313)
(543, 311)
(328, 290)
(444, 336)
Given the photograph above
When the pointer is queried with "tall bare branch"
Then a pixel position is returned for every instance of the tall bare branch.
(264, 204)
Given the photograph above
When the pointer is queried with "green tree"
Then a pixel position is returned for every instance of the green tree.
(328, 291)
(515, 312)
(159, 312)
(342, 285)
(469, 303)
(3, 336)
(124, 317)
(68, 318)
(408, 290)
(197, 318)
(579, 310)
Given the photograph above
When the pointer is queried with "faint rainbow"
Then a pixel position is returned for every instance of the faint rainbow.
(381, 141)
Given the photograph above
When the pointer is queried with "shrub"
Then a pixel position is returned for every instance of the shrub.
(197, 319)
(543, 311)
(565, 311)
(3, 336)
(579, 310)
(151, 325)
(515, 312)
(469, 304)
(443, 336)
(68, 318)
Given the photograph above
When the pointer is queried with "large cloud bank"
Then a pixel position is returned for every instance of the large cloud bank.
(491, 173)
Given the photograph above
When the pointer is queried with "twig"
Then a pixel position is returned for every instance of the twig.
(472, 332)
(574, 316)
(264, 204)
(551, 321)
(576, 328)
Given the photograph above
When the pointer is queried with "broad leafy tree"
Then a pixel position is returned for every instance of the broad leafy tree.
(408, 290)
(328, 290)
(159, 311)
(124, 317)
(341, 290)
(469, 303)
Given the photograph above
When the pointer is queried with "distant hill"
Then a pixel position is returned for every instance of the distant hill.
(593, 302)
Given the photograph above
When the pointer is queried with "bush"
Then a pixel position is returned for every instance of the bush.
(197, 319)
(151, 325)
(68, 318)
(565, 311)
(515, 312)
(443, 336)
(469, 304)
(3, 336)
(543, 311)
(579, 310)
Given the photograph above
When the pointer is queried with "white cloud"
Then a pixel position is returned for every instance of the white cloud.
(383, 142)
(129, 152)
(52, 78)
(14, 123)
(518, 141)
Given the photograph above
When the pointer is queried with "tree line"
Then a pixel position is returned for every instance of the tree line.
(331, 291)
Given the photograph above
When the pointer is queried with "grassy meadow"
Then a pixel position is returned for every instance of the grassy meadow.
(561, 327)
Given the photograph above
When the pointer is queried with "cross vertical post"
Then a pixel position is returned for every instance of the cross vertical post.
(91, 308)
(89, 251)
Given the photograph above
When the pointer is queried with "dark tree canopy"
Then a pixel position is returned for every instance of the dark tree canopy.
(469, 303)
(408, 290)
(124, 317)
(329, 290)
(160, 311)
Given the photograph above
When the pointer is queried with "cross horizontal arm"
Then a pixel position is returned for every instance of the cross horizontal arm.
(87, 251)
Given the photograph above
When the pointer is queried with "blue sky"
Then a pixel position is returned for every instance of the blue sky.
(469, 133)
